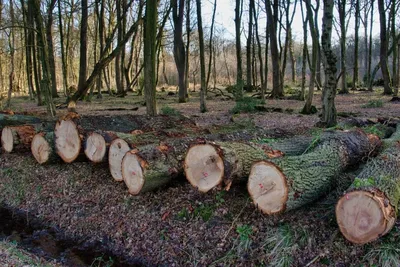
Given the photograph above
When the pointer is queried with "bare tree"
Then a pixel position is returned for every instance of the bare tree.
(239, 77)
(387, 90)
(83, 47)
(203, 107)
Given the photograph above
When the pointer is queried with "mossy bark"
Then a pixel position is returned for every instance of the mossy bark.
(314, 174)
(52, 155)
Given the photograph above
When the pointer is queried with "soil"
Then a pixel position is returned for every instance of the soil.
(79, 207)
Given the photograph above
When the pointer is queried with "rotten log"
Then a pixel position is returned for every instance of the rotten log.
(283, 184)
(17, 138)
(15, 120)
(369, 208)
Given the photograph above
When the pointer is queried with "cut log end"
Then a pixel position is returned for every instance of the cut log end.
(363, 216)
(40, 148)
(95, 149)
(132, 173)
(117, 151)
(7, 139)
(204, 167)
(267, 187)
(68, 141)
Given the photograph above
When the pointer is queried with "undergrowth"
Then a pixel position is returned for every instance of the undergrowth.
(246, 105)
(166, 110)
(373, 104)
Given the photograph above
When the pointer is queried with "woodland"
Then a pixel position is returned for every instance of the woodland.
(142, 133)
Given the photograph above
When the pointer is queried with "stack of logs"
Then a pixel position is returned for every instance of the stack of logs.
(281, 176)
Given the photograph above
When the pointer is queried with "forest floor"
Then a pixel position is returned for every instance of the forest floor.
(79, 216)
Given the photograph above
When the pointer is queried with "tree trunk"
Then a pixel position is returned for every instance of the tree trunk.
(238, 92)
(368, 210)
(11, 46)
(394, 42)
(357, 18)
(387, 90)
(248, 48)
(179, 47)
(203, 107)
(277, 90)
(49, 37)
(342, 19)
(150, 57)
(328, 118)
(308, 108)
(305, 54)
(260, 58)
(14, 120)
(83, 46)
(283, 184)
(62, 50)
(370, 80)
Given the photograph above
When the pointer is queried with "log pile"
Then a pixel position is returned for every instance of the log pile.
(147, 153)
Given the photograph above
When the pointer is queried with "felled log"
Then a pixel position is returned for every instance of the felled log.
(68, 137)
(15, 120)
(42, 148)
(208, 165)
(368, 210)
(17, 138)
(149, 167)
(283, 184)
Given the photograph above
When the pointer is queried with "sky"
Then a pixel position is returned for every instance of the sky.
(226, 12)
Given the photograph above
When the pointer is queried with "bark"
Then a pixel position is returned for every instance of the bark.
(49, 37)
(11, 46)
(248, 48)
(62, 49)
(387, 90)
(179, 47)
(14, 120)
(308, 108)
(83, 46)
(28, 57)
(369, 79)
(187, 55)
(210, 45)
(342, 19)
(203, 107)
(260, 58)
(305, 54)
(328, 118)
(357, 17)
(150, 57)
(238, 93)
(287, 183)
(368, 210)
(272, 18)
(393, 34)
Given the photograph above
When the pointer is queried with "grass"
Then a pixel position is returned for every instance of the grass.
(384, 255)
(14, 256)
(283, 242)
(373, 104)
(375, 129)
(246, 105)
(101, 261)
(14, 187)
(166, 110)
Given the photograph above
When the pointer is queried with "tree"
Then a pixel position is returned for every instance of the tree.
(83, 47)
(272, 18)
(179, 47)
(49, 37)
(328, 118)
(387, 90)
(239, 77)
(150, 30)
(308, 108)
(343, 44)
(203, 107)
(357, 18)
(248, 47)
(12, 53)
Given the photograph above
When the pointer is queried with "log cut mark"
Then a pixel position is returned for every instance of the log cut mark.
(68, 140)
(95, 149)
(117, 151)
(204, 167)
(267, 186)
(7, 142)
(132, 172)
(40, 149)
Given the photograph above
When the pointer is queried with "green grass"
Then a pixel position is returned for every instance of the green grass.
(246, 105)
(384, 255)
(373, 104)
(18, 257)
(170, 111)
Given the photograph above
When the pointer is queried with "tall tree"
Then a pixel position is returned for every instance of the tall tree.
(328, 118)
(308, 108)
(203, 107)
(62, 49)
(239, 77)
(393, 11)
(272, 18)
(305, 53)
(343, 45)
(249, 46)
(357, 18)
(49, 37)
(149, 54)
(83, 47)
(387, 90)
(210, 44)
(11, 45)
(178, 7)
